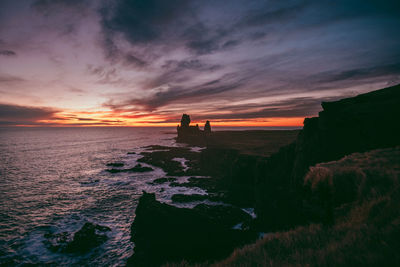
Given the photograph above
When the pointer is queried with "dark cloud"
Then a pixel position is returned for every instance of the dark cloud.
(361, 73)
(189, 64)
(135, 61)
(144, 21)
(7, 53)
(212, 51)
(265, 15)
(178, 94)
(15, 114)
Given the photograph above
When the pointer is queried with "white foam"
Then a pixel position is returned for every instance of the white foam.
(238, 226)
(196, 149)
(183, 163)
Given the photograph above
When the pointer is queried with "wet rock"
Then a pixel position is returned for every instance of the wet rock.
(163, 233)
(164, 158)
(88, 237)
(116, 164)
(163, 180)
(57, 242)
(137, 168)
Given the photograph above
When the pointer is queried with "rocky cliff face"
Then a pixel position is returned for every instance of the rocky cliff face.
(356, 124)
(165, 233)
(275, 184)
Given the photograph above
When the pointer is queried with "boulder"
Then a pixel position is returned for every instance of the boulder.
(88, 237)
(164, 233)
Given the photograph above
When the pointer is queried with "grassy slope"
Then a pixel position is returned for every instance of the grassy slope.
(362, 194)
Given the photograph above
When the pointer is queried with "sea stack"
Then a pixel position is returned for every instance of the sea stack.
(185, 130)
(207, 127)
(192, 134)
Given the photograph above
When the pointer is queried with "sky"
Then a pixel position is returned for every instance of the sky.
(145, 62)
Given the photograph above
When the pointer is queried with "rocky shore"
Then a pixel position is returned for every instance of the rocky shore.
(273, 177)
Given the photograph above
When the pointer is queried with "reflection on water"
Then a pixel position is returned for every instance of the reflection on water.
(53, 180)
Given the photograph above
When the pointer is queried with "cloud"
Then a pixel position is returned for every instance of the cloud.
(15, 114)
(177, 94)
(263, 16)
(162, 57)
(144, 21)
(361, 73)
(7, 53)
(132, 60)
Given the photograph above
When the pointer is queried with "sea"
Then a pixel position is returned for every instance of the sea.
(54, 180)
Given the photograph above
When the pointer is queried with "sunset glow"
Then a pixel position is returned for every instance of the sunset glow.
(126, 63)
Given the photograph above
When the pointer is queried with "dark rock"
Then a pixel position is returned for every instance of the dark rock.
(88, 237)
(207, 127)
(131, 153)
(185, 121)
(137, 168)
(163, 180)
(356, 124)
(214, 186)
(116, 164)
(189, 134)
(163, 233)
(165, 159)
(57, 242)
(157, 147)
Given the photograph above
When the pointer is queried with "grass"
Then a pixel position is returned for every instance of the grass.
(359, 198)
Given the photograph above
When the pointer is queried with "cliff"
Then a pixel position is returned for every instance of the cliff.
(275, 184)
(361, 194)
(166, 233)
(356, 124)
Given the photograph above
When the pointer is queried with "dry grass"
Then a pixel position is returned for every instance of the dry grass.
(366, 186)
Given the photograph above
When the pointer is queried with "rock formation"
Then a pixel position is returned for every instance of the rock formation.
(88, 237)
(163, 233)
(192, 134)
(185, 130)
(207, 127)
(357, 124)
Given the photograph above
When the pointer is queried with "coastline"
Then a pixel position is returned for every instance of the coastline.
(269, 180)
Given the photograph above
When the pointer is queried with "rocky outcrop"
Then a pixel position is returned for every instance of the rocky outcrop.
(88, 237)
(164, 233)
(275, 184)
(207, 127)
(360, 196)
(356, 124)
(192, 134)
